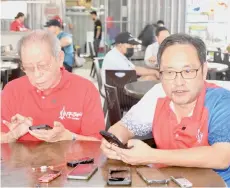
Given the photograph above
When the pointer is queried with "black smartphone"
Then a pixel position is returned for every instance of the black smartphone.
(85, 160)
(119, 176)
(40, 127)
(113, 139)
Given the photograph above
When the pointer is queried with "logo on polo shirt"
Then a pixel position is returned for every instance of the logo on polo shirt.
(69, 115)
(199, 136)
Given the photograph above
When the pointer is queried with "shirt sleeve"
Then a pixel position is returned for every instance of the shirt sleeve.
(148, 52)
(7, 106)
(98, 24)
(93, 119)
(139, 121)
(219, 126)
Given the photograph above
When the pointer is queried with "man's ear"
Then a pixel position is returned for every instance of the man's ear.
(61, 56)
(205, 70)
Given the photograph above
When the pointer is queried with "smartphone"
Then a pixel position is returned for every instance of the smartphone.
(113, 139)
(82, 172)
(49, 177)
(85, 160)
(40, 127)
(152, 175)
(119, 176)
(182, 182)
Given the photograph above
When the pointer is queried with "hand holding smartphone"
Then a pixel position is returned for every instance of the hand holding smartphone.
(113, 139)
(40, 127)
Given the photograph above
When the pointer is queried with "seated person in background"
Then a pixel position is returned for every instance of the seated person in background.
(48, 94)
(152, 50)
(117, 58)
(18, 23)
(55, 27)
(188, 117)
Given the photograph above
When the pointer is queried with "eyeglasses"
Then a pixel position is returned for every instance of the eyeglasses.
(186, 74)
(40, 66)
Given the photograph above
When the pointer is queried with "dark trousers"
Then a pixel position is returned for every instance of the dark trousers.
(67, 67)
(96, 44)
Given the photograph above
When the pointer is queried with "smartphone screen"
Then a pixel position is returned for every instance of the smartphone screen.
(82, 171)
(119, 176)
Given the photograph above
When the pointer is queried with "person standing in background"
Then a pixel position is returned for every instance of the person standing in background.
(18, 23)
(97, 31)
(55, 27)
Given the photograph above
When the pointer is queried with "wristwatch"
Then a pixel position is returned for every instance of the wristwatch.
(74, 137)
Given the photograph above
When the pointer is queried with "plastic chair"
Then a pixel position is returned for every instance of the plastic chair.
(92, 71)
(114, 110)
(118, 79)
(100, 85)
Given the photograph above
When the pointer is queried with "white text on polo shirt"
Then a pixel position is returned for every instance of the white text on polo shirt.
(69, 115)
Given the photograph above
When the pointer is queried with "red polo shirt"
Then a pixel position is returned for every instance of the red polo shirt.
(75, 102)
(17, 26)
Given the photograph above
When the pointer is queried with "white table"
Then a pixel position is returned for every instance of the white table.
(214, 68)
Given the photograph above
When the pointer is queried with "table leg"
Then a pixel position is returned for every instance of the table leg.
(212, 75)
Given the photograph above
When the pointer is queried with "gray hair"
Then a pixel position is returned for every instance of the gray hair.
(40, 36)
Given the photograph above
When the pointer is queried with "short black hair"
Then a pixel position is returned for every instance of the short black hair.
(20, 14)
(93, 12)
(159, 29)
(181, 38)
(160, 22)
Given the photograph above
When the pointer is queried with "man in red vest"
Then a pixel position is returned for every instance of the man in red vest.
(188, 118)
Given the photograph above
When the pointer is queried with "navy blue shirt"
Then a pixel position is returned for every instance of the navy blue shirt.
(68, 50)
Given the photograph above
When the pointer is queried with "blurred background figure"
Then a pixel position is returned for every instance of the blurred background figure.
(18, 23)
(97, 31)
(66, 41)
(160, 23)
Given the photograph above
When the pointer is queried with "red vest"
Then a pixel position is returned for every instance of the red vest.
(190, 132)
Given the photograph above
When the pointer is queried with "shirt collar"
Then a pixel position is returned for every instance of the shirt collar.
(64, 82)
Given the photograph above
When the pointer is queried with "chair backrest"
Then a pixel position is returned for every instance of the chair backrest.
(217, 57)
(98, 74)
(114, 110)
(91, 50)
(226, 59)
(118, 79)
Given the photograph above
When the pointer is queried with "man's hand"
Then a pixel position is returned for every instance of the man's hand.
(19, 125)
(106, 147)
(139, 154)
(56, 134)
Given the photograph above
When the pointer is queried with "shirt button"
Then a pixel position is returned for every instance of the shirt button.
(43, 97)
(37, 91)
(177, 135)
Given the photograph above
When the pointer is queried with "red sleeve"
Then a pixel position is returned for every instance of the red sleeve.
(7, 106)
(93, 117)
(14, 26)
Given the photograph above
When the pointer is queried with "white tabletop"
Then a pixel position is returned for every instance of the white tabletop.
(217, 66)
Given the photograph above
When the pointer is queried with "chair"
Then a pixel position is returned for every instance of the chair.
(100, 85)
(114, 110)
(118, 79)
(92, 71)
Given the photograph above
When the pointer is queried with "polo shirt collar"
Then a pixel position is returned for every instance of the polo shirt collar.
(198, 108)
(64, 82)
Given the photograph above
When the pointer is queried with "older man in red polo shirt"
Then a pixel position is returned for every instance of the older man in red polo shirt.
(48, 94)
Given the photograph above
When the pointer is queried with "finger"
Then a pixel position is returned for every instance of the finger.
(11, 126)
(106, 143)
(19, 118)
(40, 134)
(117, 149)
